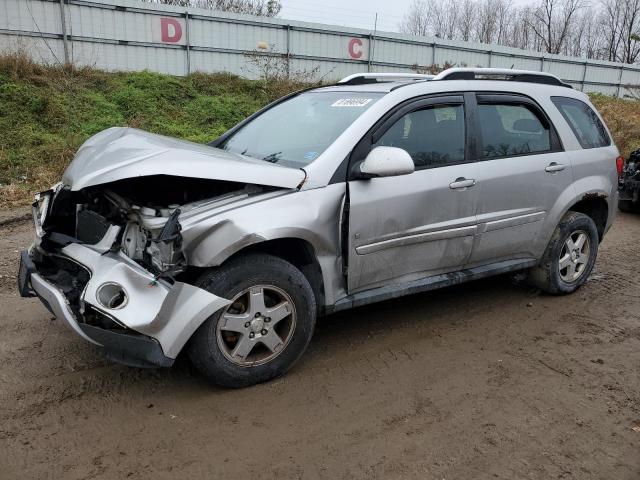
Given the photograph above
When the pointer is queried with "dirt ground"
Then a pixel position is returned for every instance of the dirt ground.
(484, 380)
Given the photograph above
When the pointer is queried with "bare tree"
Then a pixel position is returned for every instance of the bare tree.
(451, 18)
(486, 21)
(619, 23)
(630, 37)
(503, 13)
(520, 34)
(467, 18)
(269, 8)
(416, 20)
(263, 8)
(611, 18)
(437, 17)
(177, 3)
(432, 17)
(607, 29)
(552, 21)
(591, 36)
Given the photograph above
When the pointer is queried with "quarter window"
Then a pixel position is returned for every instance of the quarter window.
(584, 122)
(433, 136)
(512, 129)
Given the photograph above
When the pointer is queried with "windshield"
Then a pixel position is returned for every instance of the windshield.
(296, 131)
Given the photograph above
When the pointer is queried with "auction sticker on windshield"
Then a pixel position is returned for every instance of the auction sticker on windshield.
(351, 102)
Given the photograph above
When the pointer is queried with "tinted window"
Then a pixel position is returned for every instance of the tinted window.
(583, 121)
(512, 129)
(296, 131)
(433, 136)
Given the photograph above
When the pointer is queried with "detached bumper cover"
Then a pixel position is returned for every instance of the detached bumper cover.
(132, 350)
(158, 317)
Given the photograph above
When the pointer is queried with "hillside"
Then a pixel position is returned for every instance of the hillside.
(47, 112)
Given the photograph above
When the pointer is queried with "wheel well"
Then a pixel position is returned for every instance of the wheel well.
(299, 253)
(595, 207)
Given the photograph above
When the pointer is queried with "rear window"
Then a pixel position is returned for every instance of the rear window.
(583, 121)
(512, 129)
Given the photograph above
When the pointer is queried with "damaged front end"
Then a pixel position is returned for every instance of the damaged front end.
(108, 260)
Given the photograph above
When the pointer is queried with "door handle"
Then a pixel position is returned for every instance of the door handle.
(462, 182)
(554, 167)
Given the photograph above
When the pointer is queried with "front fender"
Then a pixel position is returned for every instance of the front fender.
(309, 215)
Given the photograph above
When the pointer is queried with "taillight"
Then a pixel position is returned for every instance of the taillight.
(619, 165)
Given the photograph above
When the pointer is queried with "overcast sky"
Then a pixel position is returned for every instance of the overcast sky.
(352, 13)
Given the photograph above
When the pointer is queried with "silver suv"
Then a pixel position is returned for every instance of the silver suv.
(379, 186)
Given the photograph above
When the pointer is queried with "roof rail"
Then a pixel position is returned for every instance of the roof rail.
(504, 74)
(363, 78)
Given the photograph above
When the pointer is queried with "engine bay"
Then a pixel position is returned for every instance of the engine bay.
(141, 214)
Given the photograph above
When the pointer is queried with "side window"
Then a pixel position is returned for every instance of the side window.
(433, 136)
(512, 129)
(583, 121)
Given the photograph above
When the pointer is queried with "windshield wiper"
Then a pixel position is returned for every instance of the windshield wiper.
(244, 152)
(272, 157)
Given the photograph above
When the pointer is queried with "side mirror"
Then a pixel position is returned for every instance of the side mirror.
(386, 162)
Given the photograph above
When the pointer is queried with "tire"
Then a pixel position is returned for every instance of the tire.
(548, 275)
(218, 347)
(626, 206)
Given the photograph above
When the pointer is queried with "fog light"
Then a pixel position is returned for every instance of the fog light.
(111, 296)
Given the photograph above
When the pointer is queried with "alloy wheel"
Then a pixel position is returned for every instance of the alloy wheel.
(574, 256)
(257, 325)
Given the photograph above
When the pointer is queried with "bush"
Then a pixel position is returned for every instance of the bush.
(622, 117)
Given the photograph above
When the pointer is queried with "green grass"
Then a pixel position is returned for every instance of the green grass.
(47, 112)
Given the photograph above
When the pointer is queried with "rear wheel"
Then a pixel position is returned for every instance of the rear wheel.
(263, 331)
(569, 257)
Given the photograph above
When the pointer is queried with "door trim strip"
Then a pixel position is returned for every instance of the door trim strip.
(514, 221)
(417, 238)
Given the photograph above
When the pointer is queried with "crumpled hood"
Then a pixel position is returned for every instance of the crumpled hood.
(118, 153)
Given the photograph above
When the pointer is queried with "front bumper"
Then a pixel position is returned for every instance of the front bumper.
(150, 328)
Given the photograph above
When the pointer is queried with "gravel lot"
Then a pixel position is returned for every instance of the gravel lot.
(483, 380)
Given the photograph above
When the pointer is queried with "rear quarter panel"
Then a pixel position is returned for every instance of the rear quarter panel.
(594, 169)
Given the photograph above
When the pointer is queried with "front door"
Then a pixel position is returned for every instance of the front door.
(407, 227)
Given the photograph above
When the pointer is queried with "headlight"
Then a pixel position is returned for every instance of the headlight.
(40, 209)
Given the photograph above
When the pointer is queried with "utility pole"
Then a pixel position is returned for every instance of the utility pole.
(372, 42)
(65, 40)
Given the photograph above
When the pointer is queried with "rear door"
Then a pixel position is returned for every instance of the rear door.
(406, 227)
(523, 172)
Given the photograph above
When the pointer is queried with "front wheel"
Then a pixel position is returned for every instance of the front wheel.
(569, 257)
(263, 331)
